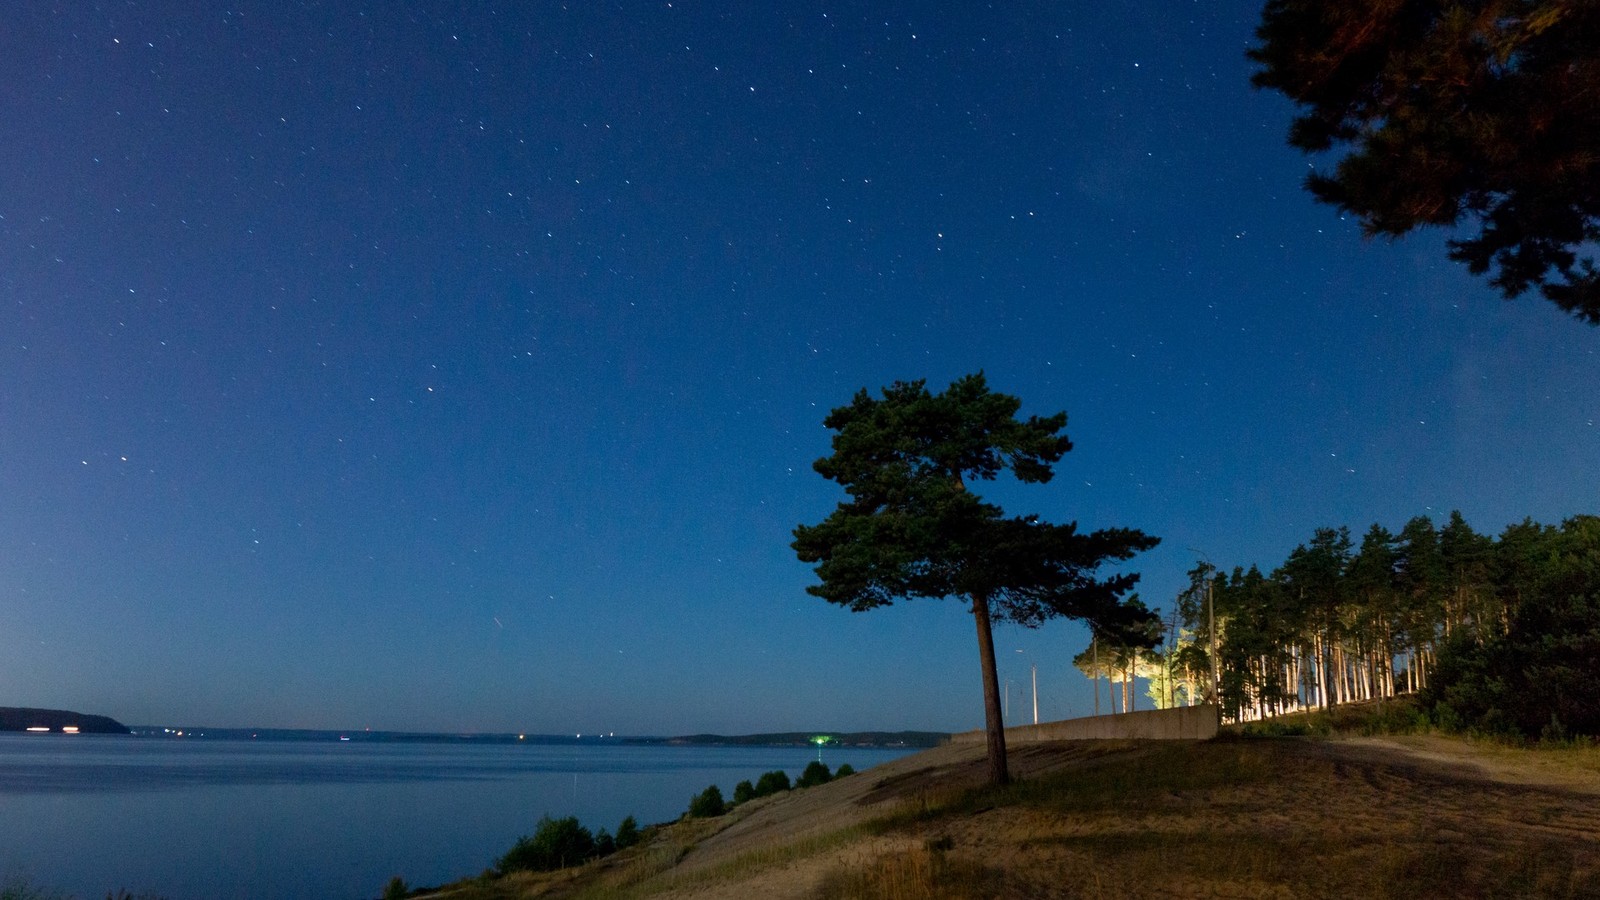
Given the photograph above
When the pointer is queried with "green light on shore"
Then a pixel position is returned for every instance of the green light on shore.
(819, 740)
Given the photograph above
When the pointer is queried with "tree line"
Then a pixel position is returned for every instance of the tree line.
(1494, 633)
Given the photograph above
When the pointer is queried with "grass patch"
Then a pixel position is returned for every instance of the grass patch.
(1577, 758)
(1137, 780)
(927, 873)
(1117, 865)
(1142, 778)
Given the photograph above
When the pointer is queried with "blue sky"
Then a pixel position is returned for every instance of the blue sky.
(460, 367)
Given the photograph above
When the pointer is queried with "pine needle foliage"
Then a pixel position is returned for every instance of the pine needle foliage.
(1481, 111)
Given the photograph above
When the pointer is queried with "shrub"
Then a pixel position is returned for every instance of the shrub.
(555, 844)
(816, 773)
(627, 834)
(707, 804)
(743, 792)
(396, 889)
(604, 843)
(843, 770)
(772, 782)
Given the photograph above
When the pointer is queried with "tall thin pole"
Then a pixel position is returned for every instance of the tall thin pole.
(1035, 669)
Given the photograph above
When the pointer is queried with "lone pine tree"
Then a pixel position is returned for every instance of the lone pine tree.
(913, 527)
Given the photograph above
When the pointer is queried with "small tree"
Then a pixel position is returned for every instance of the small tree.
(707, 804)
(743, 792)
(815, 773)
(912, 526)
(843, 770)
(627, 834)
(772, 782)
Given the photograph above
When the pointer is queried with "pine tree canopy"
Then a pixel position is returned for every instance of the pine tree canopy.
(912, 527)
(1480, 110)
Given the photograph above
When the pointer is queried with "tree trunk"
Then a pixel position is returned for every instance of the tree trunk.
(993, 723)
(1322, 671)
(1094, 650)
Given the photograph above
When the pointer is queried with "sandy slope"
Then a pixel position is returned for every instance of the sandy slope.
(1373, 809)
(1367, 817)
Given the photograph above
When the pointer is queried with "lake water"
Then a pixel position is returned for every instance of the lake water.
(203, 819)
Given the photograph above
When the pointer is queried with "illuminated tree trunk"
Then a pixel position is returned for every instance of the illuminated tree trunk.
(1094, 650)
(1322, 671)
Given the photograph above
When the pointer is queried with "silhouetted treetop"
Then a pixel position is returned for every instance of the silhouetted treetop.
(1487, 110)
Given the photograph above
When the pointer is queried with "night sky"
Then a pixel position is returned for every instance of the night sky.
(460, 366)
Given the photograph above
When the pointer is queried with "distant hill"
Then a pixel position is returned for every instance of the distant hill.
(23, 718)
(805, 738)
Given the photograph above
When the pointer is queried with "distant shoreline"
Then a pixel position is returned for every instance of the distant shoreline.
(877, 740)
(863, 739)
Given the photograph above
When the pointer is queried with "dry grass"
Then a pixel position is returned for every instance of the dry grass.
(916, 874)
(1273, 818)
(1402, 817)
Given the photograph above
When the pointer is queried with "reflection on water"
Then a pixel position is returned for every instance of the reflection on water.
(192, 819)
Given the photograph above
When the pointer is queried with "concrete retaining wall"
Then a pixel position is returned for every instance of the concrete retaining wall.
(1184, 723)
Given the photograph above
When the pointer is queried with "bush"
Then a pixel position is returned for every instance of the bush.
(396, 889)
(627, 834)
(843, 770)
(707, 804)
(604, 843)
(772, 782)
(743, 792)
(555, 844)
(816, 773)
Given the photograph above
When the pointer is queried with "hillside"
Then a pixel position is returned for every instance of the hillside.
(1271, 817)
(22, 718)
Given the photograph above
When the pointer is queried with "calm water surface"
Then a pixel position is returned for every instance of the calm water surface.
(201, 819)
